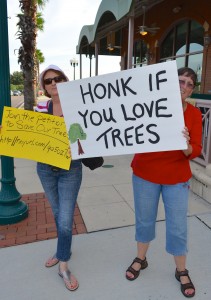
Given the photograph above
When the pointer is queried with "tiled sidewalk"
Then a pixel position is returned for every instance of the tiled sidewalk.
(38, 226)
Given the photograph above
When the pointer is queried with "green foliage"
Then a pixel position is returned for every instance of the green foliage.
(39, 56)
(16, 78)
(18, 87)
(40, 21)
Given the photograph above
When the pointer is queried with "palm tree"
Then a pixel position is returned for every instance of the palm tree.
(39, 57)
(29, 22)
(39, 60)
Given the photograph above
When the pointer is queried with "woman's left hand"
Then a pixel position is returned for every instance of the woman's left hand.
(186, 134)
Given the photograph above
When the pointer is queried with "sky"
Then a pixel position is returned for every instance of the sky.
(64, 20)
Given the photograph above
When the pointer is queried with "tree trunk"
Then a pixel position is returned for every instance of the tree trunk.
(29, 92)
(27, 36)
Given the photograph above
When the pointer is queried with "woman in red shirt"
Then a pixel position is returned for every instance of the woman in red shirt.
(167, 174)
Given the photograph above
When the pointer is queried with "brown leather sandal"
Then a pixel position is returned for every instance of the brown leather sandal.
(142, 262)
(185, 286)
(52, 261)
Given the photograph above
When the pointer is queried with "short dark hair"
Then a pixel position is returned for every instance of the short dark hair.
(188, 72)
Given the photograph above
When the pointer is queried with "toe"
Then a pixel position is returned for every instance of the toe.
(72, 284)
(130, 275)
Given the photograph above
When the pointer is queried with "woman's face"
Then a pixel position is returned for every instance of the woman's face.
(50, 79)
(186, 86)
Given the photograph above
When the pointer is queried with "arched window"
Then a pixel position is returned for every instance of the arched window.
(185, 44)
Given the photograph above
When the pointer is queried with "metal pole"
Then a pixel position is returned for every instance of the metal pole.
(74, 63)
(96, 59)
(130, 42)
(12, 210)
(74, 71)
(90, 65)
(80, 66)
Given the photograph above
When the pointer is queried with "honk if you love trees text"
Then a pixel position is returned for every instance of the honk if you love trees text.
(125, 112)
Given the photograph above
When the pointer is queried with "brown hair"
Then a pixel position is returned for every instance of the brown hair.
(42, 80)
(188, 72)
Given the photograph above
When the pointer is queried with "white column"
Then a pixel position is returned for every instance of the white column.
(96, 59)
(130, 41)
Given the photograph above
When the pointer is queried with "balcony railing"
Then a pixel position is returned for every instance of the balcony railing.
(205, 107)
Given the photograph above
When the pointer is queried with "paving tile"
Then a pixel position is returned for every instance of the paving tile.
(105, 201)
(197, 205)
(99, 262)
(80, 228)
(38, 226)
(126, 192)
(106, 216)
(206, 219)
(8, 242)
(98, 195)
(26, 239)
(78, 219)
(109, 176)
(46, 236)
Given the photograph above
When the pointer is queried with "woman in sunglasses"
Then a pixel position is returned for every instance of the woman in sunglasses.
(167, 174)
(61, 186)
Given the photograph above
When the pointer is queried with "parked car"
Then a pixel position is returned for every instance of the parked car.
(16, 93)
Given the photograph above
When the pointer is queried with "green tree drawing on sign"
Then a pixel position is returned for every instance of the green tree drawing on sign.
(76, 133)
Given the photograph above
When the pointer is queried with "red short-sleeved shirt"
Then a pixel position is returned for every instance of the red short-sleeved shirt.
(171, 167)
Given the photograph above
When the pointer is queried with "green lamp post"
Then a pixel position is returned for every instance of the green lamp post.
(12, 209)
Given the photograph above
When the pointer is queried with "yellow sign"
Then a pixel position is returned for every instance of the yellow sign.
(36, 136)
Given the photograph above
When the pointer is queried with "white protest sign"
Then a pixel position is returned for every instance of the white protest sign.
(132, 111)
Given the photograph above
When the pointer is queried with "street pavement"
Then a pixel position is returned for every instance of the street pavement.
(17, 101)
(101, 256)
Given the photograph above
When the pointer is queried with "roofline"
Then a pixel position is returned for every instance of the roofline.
(119, 8)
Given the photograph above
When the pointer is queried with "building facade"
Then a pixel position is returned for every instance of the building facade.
(152, 31)
(143, 32)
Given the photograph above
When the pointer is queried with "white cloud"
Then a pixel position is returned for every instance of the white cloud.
(63, 22)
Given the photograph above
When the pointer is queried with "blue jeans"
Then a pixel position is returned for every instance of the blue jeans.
(61, 188)
(175, 199)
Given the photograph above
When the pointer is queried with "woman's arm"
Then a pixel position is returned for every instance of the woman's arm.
(193, 134)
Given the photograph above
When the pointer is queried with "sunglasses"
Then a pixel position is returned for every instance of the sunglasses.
(57, 79)
(188, 84)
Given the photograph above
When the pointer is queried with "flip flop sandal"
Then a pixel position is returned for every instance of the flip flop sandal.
(185, 286)
(142, 262)
(52, 261)
(66, 276)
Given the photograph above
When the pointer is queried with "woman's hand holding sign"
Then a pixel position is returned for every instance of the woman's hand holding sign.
(186, 134)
